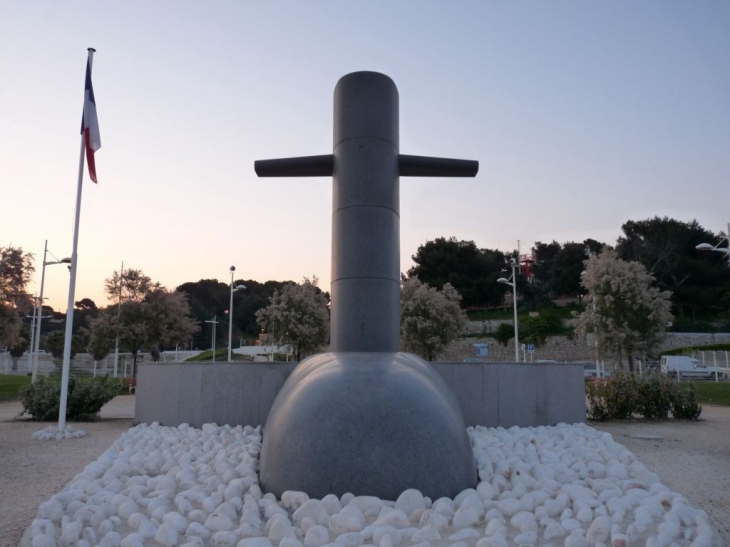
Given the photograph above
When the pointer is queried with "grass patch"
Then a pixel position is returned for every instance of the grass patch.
(221, 355)
(712, 393)
(10, 384)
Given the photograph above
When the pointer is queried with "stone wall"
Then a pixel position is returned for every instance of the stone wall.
(504, 394)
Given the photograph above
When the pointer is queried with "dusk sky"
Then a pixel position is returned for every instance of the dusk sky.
(583, 115)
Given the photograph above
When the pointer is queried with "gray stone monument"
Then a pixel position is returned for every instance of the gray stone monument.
(366, 418)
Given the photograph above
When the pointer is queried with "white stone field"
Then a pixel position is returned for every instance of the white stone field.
(566, 485)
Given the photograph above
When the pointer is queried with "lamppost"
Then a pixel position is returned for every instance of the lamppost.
(230, 313)
(214, 322)
(36, 345)
(710, 247)
(512, 282)
(119, 315)
(32, 336)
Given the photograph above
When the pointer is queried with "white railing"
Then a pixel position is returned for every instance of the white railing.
(713, 358)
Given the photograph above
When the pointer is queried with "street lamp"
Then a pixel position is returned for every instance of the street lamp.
(230, 312)
(710, 247)
(34, 349)
(513, 284)
(214, 322)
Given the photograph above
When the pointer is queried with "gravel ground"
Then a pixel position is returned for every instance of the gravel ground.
(32, 471)
(690, 458)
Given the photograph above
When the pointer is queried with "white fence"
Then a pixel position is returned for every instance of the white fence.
(712, 358)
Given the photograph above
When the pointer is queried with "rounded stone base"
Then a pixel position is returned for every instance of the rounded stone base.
(367, 423)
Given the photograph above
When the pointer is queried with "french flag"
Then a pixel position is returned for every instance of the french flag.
(90, 124)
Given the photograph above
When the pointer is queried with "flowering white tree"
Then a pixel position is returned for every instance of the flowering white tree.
(297, 315)
(430, 318)
(627, 314)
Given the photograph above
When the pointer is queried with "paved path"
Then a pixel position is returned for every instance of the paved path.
(692, 458)
(32, 471)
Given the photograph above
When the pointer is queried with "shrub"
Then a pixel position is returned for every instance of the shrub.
(504, 332)
(622, 396)
(684, 402)
(85, 399)
(536, 329)
(597, 401)
(654, 396)
(41, 399)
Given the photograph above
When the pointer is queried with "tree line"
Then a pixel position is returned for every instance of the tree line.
(698, 281)
(448, 277)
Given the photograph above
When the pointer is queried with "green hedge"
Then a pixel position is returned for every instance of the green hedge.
(689, 349)
(653, 396)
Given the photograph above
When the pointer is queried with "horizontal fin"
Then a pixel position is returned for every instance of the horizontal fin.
(304, 166)
(427, 166)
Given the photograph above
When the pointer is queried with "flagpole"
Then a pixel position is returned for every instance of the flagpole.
(72, 285)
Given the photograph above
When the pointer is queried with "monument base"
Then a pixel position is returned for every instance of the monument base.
(366, 423)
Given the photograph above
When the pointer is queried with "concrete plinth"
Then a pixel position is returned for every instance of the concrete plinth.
(489, 394)
(367, 423)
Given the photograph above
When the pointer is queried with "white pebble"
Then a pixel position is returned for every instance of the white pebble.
(176, 520)
(526, 538)
(224, 538)
(166, 535)
(195, 529)
(350, 539)
(576, 539)
(290, 542)
(393, 534)
(432, 518)
(293, 500)
(409, 501)
(133, 540)
(493, 541)
(51, 510)
(331, 504)
(254, 542)
(280, 530)
(395, 518)
(524, 521)
(464, 534)
(465, 516)
(111, 539)
(316, 536)
(427, 533)
(217, 522)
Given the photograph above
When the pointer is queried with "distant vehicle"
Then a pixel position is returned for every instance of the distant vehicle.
(687, 367)
(590, 371)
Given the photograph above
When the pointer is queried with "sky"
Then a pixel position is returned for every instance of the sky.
(583, 115)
